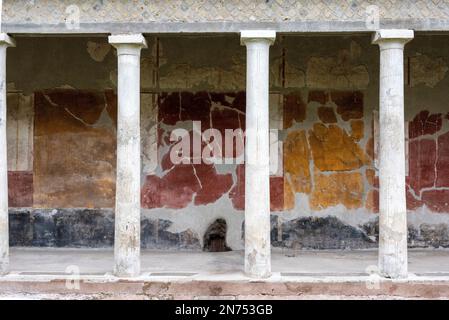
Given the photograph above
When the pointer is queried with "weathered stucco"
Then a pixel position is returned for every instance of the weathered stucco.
(74, 150)
(325, 194)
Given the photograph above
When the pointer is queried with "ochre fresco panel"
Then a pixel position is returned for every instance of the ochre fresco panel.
(296, 161)
(74, 150)
(337, 188)
(334, 150)
(357, 129)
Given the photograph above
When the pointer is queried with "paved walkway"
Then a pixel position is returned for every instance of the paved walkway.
(100, 261)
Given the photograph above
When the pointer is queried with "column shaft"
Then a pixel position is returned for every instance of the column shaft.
(127, 202)
(5, 42)
(257, 172)
(392, 198)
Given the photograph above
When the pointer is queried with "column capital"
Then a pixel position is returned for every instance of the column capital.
(398, 36)
(5, 39)
(257, 35)
(136, 41)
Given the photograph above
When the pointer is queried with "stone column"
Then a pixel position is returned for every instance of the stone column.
(257, 155)
(5, 42)
(127, 198)
(392, 201)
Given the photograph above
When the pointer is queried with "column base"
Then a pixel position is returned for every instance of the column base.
(257, 270)
(4, 269)
(126, 271)
(392, 269)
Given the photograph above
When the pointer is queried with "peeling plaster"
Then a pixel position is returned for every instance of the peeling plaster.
(198, 219)
(427, 70)
(327, 68)
(342, 71)
(184, 76)
(98, 51)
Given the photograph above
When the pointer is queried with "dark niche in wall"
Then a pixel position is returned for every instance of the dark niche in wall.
(215, 237)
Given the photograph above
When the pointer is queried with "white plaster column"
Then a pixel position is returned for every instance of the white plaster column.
(5, 42)
(257, 154)
(392, 199)
(127, 197)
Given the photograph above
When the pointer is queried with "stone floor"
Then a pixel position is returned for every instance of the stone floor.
(100, 261)
(42, 273)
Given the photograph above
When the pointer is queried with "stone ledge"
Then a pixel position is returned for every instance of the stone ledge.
(301, 27)
(231, 288)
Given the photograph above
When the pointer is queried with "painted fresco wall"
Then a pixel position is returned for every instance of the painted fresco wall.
(323, 101)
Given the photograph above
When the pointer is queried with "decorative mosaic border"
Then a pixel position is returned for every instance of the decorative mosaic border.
(88, 16)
